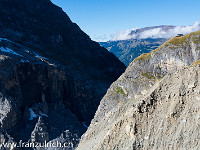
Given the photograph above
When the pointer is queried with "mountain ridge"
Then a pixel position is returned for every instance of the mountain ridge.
(128, 50)
(132, 101)
(49, 69)
(129, 45)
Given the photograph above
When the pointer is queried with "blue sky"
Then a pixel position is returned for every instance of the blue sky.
(101, 18)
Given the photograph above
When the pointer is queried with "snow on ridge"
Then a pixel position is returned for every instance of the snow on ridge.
(40, 57)
(9, 41)
(84, 124)
(33, 54)
(41, 114)
(8, 50)
(3, 57)
(44, 59)
(24, 61)
(32, 114)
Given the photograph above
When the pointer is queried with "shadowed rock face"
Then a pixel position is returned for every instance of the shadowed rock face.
(44, 27)
(49, 68)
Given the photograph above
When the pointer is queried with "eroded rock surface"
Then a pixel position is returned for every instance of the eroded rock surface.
(154, 104)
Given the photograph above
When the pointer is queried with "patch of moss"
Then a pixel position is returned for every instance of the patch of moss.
(143, 56)
(195, 63)
(196, 40)
(148, 75)
(119, 90)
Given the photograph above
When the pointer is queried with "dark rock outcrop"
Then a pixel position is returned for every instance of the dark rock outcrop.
(49, 68)
(40, 133)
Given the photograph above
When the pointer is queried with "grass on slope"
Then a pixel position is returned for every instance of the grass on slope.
(195, 63)
(119, 90)
(148, 75)
(174, 41)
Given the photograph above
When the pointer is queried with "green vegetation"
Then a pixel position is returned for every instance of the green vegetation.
(119, 90)
(181, 40)
(196, 40)
(174, 41)
(148, 75)
(143, 56)
(195, 63)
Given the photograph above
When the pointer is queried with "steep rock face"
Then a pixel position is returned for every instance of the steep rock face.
(40, 133)
(46, 29)
(127, 113)
(8, 112)
(149, 68)
(49, 68)
(31, 87)
(165, 118)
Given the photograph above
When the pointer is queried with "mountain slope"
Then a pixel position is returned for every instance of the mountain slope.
(137, 43)
(50, 69)
(128, 50)
(143, 106)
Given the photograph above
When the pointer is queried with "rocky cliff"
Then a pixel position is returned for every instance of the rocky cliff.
(151, 106)
(52, 75)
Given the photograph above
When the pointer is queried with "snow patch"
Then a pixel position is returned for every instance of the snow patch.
(44, 59)
(24, 61)
(8, 50)
(84, 125)
(8, 41)
(198, 98)
(3, 57)
(32, 114)
(184, 120)
(41, 114)
(40, 57)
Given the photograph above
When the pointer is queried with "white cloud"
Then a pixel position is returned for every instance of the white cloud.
(153, 33)
(123, 35)
(156, 32)
(159, 33)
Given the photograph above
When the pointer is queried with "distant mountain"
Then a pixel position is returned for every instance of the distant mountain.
(128, 46)
(128, 50)
(137, 32)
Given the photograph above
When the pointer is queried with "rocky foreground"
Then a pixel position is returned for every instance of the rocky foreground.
(154, 104)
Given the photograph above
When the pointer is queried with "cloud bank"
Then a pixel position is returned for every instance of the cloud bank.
(123, 35)
(156, 32)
